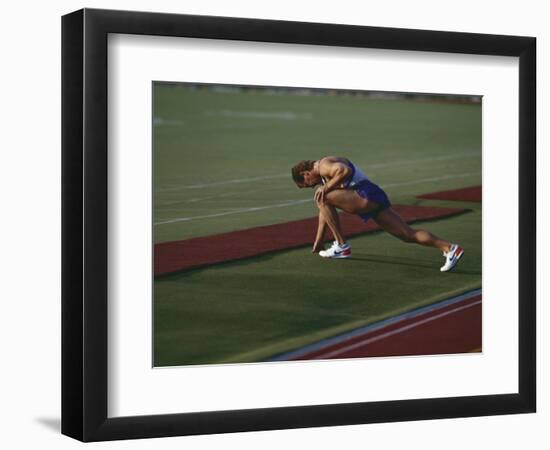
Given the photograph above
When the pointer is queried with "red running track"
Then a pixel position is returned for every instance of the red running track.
(171, 257)
(452, 328)
(469, 194)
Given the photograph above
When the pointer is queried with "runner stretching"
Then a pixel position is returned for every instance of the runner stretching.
(345, 187)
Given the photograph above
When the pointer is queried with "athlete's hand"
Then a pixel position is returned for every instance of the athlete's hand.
(320, 194)
(317, 247)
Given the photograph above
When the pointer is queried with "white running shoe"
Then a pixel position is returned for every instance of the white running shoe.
(452, 257)
(337, 251)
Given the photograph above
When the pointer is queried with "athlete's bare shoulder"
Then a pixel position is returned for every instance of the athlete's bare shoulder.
(336, 159)
(331, 166)
(330, 160)
(326, 163)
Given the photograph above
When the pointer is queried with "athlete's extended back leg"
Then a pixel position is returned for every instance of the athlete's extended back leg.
(392, 223)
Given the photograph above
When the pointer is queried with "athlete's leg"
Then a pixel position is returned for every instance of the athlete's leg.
(350, 201)
(392, 222)
(320, 236)
(328, 214)
(345, 200)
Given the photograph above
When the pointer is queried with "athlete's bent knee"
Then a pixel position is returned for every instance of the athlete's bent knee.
(329, 198)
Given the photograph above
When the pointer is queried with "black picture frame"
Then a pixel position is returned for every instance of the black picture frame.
(84, 224)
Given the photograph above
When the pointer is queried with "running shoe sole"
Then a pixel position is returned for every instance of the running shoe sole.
(342, 255)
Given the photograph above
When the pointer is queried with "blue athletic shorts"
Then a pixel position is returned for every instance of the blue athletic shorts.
(372, 192)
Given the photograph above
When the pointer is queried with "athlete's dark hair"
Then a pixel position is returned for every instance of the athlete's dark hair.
(298, 170)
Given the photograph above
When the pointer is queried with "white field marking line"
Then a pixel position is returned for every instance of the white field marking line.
(414, 161)
(281, 115)
(199, 199)
(444, 177)
(393, 332)
(367, 329)
(297, 202)
(159, 121)
(270, 177)
(222, 183)
(238, 211)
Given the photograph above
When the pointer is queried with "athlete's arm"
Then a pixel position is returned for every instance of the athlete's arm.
(334, 171)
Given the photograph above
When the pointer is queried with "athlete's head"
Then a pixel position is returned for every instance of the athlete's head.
(304, 174)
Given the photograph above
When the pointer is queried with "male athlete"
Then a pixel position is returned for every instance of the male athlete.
(345, 187)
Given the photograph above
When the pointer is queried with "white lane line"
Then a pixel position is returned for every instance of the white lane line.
(222, 183)
(285, 175)
(414, 161)
(369, 329)
(281, 115)
(297, 202)
(443, 177)
(159, 121)
(236, 181)
(270, 177)
(196, 199)
(238, 211)
(393, 332)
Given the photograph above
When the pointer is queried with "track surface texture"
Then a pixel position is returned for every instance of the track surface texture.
(178, 256)
(469, 194)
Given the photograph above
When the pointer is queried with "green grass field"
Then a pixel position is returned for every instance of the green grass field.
(222, 162)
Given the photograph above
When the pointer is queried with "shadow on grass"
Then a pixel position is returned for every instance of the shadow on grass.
(406, 261)
(249, 261)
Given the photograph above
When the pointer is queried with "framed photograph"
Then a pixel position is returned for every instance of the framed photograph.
(272, 224)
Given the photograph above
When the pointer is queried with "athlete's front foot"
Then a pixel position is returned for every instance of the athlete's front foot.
(452, 257)
(337, 250)
(317, 247)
